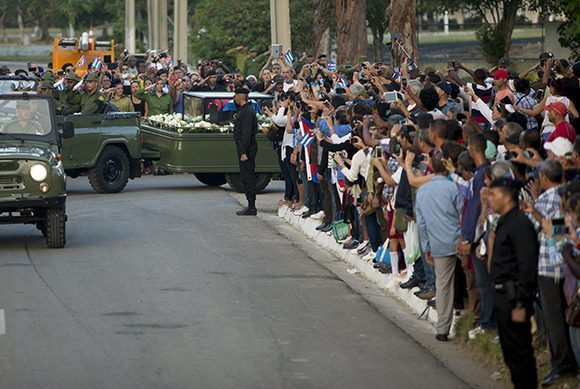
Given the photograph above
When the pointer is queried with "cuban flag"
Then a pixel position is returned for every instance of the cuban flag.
(307, 139)
(288, 56)
(342, 83)
(82, 60)
(59, 85)
(97, 64)
(331, 66)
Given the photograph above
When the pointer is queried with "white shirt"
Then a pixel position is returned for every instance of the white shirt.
(288, 86)
(547, 125)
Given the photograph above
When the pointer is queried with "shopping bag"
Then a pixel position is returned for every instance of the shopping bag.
(339, 230)
(384, 254)
(412, 249)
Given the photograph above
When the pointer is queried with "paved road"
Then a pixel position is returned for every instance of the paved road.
(160, 287)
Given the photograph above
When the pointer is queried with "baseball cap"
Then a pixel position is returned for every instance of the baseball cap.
(558, 107)
(445, 86)
(242, 91)
(560, 146)
(4, 70)
(500, 74)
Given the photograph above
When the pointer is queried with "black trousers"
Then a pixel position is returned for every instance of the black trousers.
(516, 344)
(248, 175)
(553, 309)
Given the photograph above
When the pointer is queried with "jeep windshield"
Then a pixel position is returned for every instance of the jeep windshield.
(25, 116)
(17, 85)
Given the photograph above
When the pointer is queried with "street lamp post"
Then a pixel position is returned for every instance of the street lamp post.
(280, 23)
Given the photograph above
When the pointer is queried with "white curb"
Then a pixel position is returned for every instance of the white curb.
(384, 281)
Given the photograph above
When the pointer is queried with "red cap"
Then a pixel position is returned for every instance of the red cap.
(501, 74)
(557, 106)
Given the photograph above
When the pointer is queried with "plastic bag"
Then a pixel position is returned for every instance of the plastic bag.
(412, 248)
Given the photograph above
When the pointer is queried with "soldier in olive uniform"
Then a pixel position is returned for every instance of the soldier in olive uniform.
(158, 102)
(245, 130)
(25, 121)
(92, 101)
(70, 99)
(46, 87)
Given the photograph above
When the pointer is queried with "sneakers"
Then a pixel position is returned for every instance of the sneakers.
(317, 216)
(353, 244)
(474, 332)
(300, 211)
(327, 228)
(425, 294)
(410, 284)
(363, 246)
(370, 256)
(322, 226)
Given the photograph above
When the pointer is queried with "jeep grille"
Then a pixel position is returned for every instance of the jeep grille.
(11, 183)
(9, 166)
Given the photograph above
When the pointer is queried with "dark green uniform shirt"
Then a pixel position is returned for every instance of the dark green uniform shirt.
(93, 103)
(156, 104)
(71, 100)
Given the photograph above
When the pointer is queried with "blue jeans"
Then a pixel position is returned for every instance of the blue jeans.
(429, 274)
(373, 231)
(484, 287)
(575, 340)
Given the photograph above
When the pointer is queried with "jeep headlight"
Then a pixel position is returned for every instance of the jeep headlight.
(38, 172)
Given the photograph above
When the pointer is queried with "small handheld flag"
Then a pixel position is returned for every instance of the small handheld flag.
(288, 56)
(82, 60)
(97, 64)
(331, 66)
(59, 85)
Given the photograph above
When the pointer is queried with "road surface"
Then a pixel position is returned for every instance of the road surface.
(162, 287)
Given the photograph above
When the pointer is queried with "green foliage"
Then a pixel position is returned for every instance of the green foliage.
(491, 41)
(569, 30)
(244, 23)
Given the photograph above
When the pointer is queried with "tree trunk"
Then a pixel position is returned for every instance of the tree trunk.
(2, 28)
(378, 34)
(507, 23)
(321, 27)
(21, 26)
(351, 30)
(403, 21)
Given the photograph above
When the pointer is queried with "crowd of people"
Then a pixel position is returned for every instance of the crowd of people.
(461, 183)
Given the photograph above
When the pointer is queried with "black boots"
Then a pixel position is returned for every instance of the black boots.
(249, 211)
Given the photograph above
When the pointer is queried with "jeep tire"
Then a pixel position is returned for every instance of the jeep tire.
(235, 182)
(211, 179)
(111, 172)
(55, 226)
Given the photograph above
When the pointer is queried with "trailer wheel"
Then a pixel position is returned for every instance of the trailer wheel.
(235, 182)
(211, 179)
(55, 228)
(111, 172)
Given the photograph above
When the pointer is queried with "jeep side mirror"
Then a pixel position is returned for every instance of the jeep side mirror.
(68, 129)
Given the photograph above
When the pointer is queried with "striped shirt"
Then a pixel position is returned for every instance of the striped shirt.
(548, 205)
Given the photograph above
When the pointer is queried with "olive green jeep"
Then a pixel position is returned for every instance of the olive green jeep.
(32, 176)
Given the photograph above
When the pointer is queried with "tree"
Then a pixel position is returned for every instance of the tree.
(351, 31)
(403, 21)
(569, 29)
(321, 26)
(378, 21)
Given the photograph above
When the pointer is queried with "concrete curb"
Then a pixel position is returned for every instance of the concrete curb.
(383, 281)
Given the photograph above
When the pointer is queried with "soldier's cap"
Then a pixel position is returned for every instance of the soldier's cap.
(242, 91)
(254, 48)
(92, 77)
(278, 79)
(506, 182)
(46, 84)
(48, 75)
(72, 76)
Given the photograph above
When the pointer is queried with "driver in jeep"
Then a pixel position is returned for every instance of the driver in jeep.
(26, 122)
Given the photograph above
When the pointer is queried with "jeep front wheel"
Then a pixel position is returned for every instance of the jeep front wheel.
(111, 172)
(55, 227)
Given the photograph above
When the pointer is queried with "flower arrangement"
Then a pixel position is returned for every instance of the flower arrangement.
(196, 125)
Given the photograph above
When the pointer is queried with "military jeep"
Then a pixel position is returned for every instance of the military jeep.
(32, 176)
